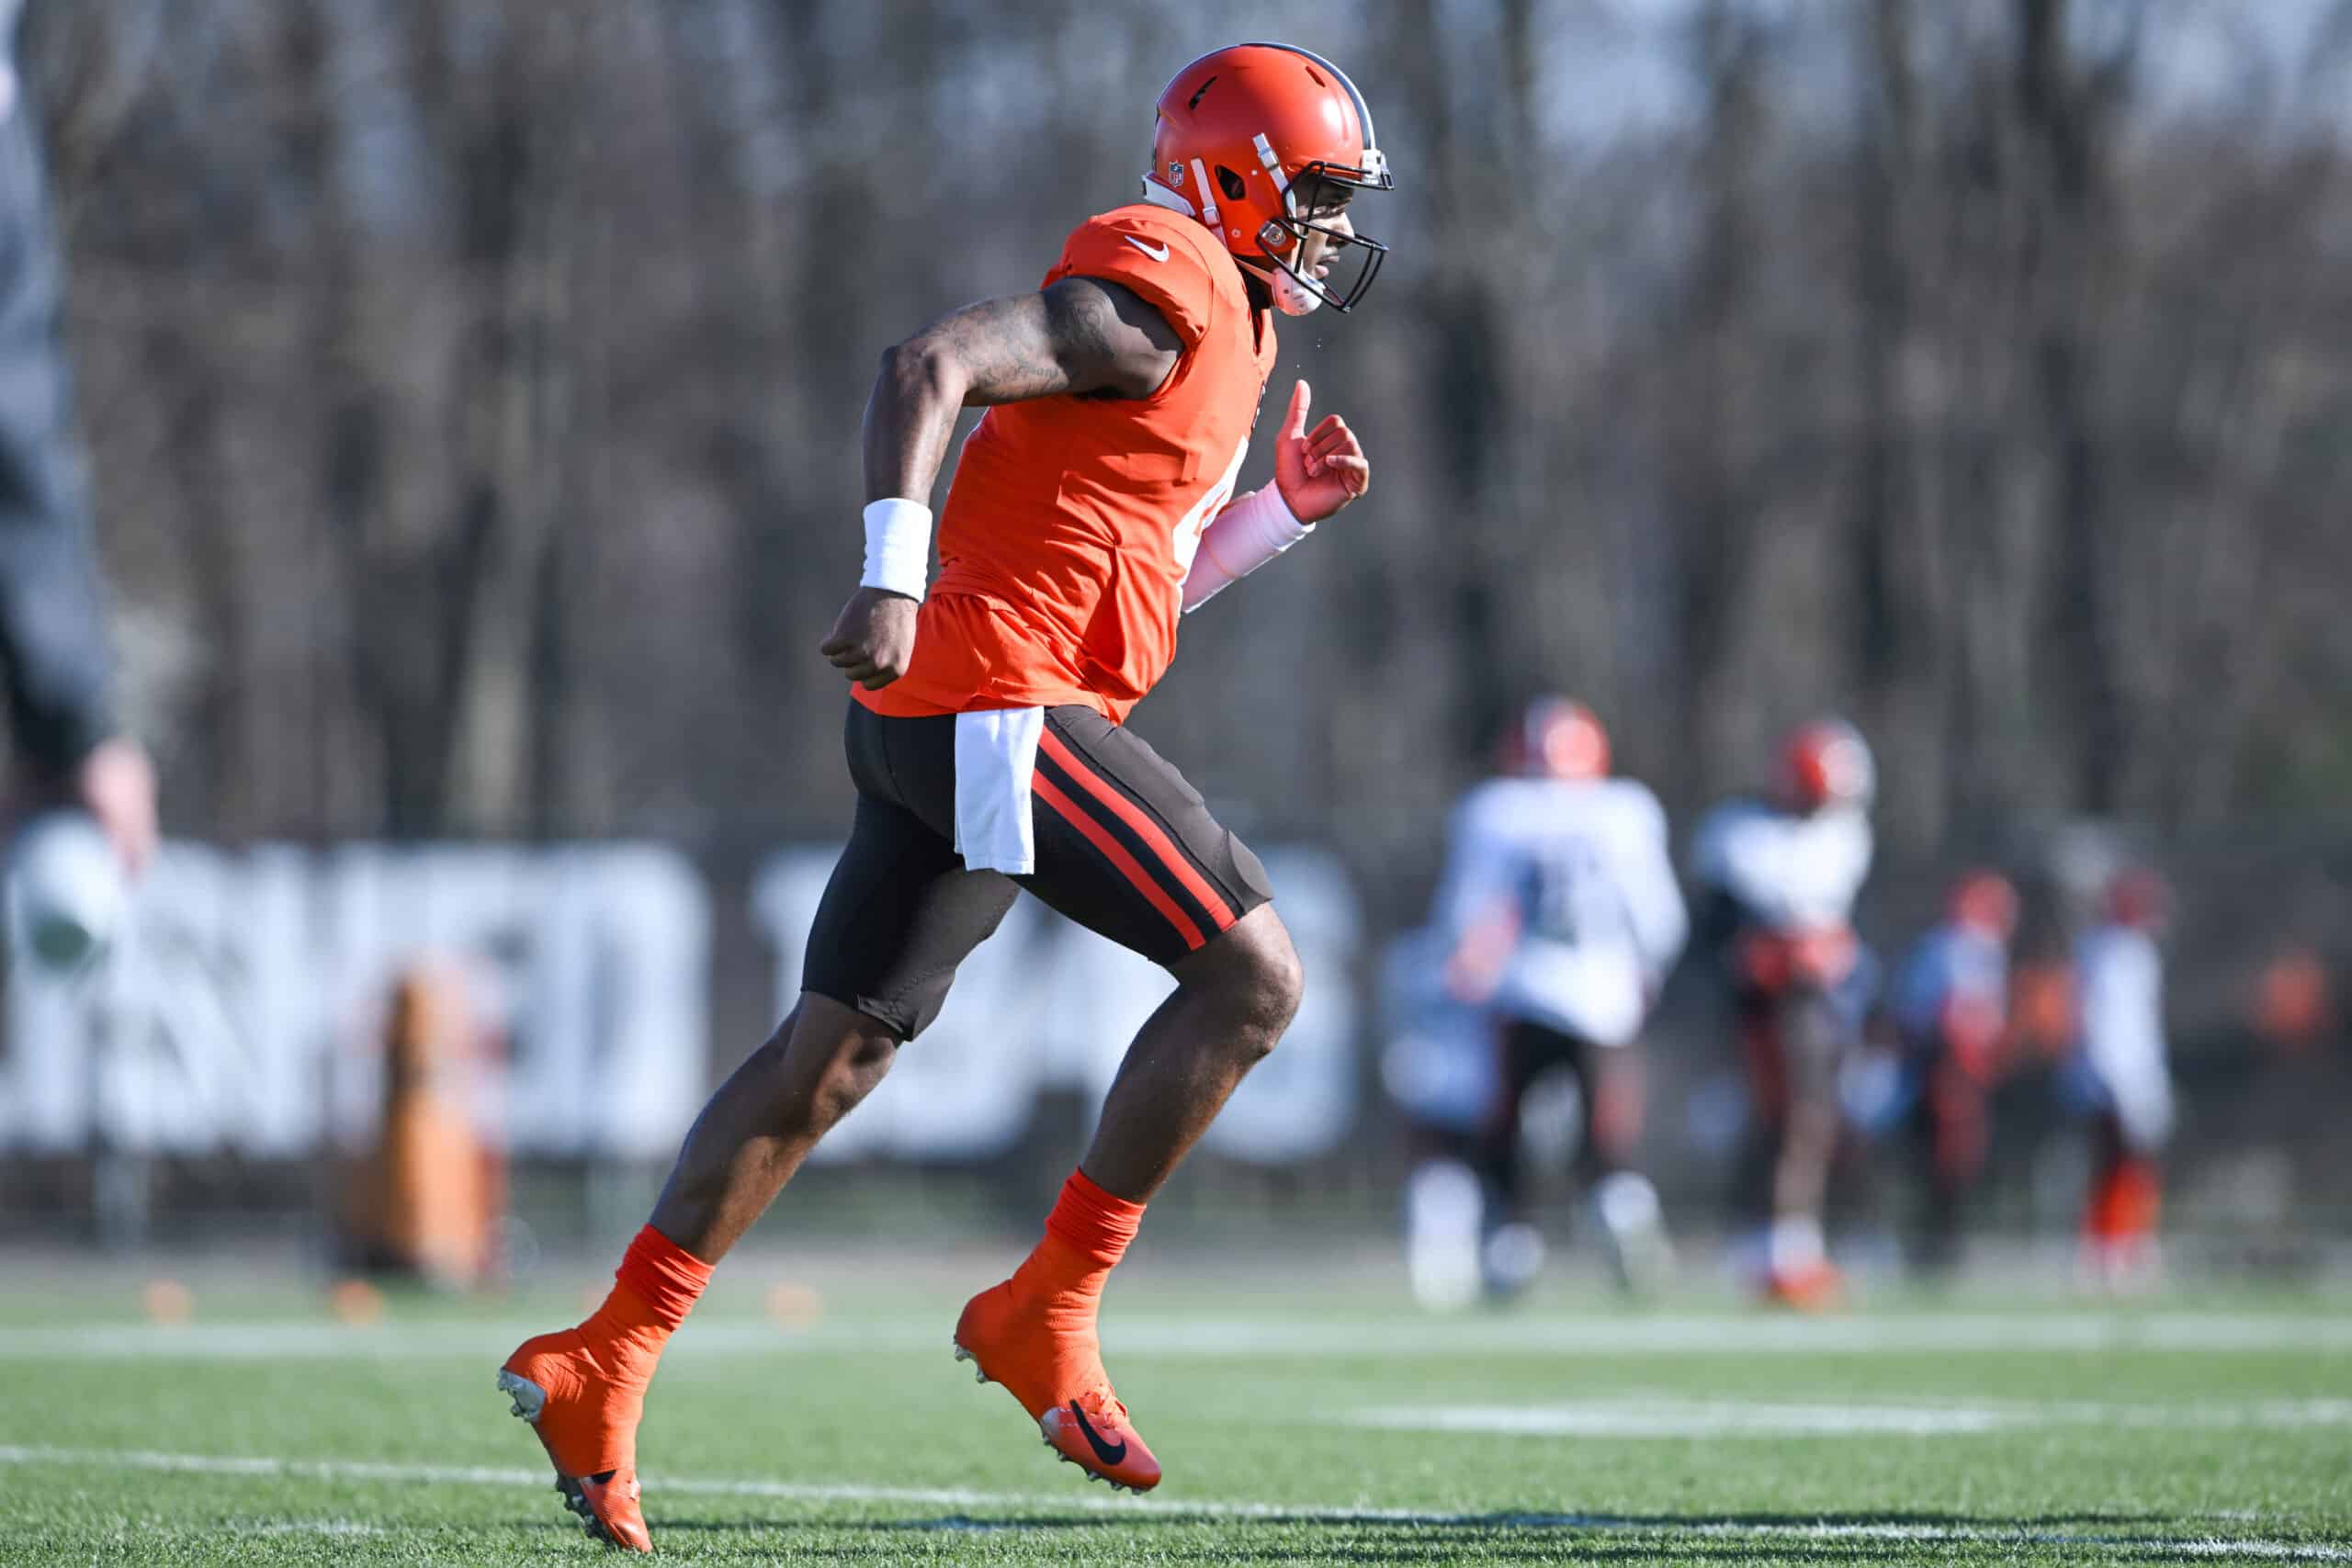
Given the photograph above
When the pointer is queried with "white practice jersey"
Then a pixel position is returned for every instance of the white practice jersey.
(1785, 872)
(1583, 867)
(2119, 978)
(10, 12)
(1953, 963)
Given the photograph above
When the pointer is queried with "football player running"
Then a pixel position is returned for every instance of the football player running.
(1776, 884)
(1094, 504)
(1949, 1004)
(2116, 1074)
(1560, 917)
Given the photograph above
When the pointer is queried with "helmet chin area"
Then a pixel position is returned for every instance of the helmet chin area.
(1353, 260)
(1292, 296)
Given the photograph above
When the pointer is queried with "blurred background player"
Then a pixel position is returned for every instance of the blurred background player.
(1775, 881)
(52, 624)
(986, 743)
(1556, 917)
(2117, 1074)
(1949, 1004)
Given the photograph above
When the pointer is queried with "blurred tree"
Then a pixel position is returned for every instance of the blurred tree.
(475, 386)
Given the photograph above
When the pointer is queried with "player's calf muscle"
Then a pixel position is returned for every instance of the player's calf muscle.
(764, 1119)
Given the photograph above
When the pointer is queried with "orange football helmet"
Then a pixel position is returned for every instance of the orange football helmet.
(1985, 902)
(2137, 897)
(1557, 739)
(1829, 764)
(1240, 132)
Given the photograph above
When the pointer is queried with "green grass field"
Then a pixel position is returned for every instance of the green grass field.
(1304, 1414)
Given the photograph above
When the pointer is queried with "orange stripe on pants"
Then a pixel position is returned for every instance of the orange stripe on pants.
(1100, 836)
(1089, 779)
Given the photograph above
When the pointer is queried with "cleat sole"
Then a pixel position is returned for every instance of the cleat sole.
(528, 1402)
(577, 1502)
(529, 1398)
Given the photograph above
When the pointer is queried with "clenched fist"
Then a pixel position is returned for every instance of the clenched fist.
(873, 639)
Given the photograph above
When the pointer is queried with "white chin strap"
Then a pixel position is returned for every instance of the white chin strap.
(1292, 297)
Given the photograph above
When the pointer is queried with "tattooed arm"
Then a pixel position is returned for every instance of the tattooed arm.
(1084, 336)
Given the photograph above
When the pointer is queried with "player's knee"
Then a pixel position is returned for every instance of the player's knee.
(849, 1077)
(1285, 983)
(1250, 979)
(1268, 981)
(830, 1060)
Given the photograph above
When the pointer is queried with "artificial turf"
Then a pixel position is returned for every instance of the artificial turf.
(1299, 1422)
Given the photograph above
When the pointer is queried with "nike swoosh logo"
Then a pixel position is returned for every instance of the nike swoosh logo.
(1157, 253)
(1109, 1453)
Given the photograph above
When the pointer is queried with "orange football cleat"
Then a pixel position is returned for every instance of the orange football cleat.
(1056, 1371)
(1817, 1287)
(588, 1425)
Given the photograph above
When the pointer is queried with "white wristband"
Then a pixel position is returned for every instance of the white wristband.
(897, 546)
(1245, 536)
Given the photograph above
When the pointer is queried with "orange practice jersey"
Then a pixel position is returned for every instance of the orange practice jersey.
(1072, 521)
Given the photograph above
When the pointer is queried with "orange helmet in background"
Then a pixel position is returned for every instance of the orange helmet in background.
(1985, 901)
(2138, 898)
(1240, 132)
(1556, 738)
(1828, 764)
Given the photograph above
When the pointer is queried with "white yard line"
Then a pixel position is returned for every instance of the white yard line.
(1682, 1418)
(1744, 1334)
(960, 1497)
(311, 1527)
(1638, 1416)
(500, 1475)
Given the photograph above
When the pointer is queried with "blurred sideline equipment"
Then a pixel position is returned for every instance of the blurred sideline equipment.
(1557, 917)
(987, 746)
(425, 1202)
(1949, 1004)
(66, 890)
(1775, 882)
(2118, 1076)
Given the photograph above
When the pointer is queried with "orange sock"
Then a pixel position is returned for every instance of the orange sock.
(2126, 1201)
(655, 1287)
(1057, 1288)
(1085, 1236)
